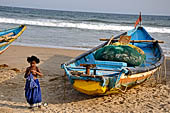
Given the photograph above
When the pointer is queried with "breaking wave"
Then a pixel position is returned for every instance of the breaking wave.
(81, 25)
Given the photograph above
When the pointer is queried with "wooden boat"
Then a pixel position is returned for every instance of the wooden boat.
(8, 36)
(97, 77)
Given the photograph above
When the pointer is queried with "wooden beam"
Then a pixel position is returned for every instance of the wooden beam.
(96, 69)
(6, 37)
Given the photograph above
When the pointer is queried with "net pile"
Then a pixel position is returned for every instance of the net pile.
(130, 54)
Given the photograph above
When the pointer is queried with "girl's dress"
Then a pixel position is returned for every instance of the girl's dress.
(32, 90)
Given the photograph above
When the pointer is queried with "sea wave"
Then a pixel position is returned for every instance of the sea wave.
(81, 25)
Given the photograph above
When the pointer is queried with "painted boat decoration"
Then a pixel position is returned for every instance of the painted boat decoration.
(101, 77)
(10, 35)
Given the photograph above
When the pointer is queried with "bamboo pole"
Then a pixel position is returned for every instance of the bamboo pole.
(110, 40)
(135, 41)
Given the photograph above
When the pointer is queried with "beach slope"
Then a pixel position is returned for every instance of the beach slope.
(60, 95)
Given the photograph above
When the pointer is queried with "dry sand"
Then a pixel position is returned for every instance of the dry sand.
(147, 97)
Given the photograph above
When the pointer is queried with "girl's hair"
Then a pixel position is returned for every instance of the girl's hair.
(33, 58)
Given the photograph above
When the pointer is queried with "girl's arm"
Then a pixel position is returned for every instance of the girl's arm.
(27, 72)
(38, 72)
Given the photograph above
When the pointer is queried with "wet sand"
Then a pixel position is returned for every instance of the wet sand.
(59, 94)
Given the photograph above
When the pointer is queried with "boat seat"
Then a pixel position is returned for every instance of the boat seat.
(111, 64)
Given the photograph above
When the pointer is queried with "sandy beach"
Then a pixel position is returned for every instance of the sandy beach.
(148, 97)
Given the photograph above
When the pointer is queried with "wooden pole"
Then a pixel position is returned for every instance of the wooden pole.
(135, 41)
(88, 66)
(110, 40)
(64, 85)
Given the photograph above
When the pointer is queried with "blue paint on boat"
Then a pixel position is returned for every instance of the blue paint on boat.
(16, 32)
(109, 73)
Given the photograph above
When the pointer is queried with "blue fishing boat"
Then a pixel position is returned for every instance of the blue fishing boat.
(10, 35)
(96, 73)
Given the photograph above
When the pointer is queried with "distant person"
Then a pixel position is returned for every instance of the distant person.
(32, 86)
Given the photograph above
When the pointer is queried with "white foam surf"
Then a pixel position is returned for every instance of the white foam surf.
(81, 25)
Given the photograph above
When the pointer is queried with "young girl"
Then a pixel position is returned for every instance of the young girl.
(32, 86)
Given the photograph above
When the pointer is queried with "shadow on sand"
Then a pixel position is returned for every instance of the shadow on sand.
(52, 85)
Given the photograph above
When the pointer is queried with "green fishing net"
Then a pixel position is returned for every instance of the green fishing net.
(121, 53)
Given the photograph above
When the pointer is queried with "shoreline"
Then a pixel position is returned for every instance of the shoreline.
(54, 47)
(16, 55)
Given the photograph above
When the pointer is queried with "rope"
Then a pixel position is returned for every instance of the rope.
(64, 86)
(161, 73)
(123, 91)
(162, 67)
(165, 69)
(158, 75)
(20, 39)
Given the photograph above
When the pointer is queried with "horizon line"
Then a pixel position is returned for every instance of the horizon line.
(84, 11)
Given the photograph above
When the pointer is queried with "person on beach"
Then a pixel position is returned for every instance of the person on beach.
(32, 86)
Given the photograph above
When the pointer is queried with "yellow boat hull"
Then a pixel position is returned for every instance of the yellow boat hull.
(89, 87)
(95, 88)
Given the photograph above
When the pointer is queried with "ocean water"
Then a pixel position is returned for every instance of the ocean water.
(77, 30)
